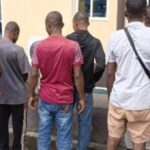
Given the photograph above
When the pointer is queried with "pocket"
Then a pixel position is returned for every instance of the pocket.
(41, 106)
(66, 108)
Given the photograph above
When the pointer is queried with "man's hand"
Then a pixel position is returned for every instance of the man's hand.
(32, 103)
(81, 106)
(26, 105)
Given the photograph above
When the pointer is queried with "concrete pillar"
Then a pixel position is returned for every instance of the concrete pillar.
(120, 14)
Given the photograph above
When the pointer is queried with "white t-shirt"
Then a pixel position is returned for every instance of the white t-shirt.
(131, 89)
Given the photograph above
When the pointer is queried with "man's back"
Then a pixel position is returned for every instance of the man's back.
(131, 87)
(14, 64)
(91, 49)
(56, 57)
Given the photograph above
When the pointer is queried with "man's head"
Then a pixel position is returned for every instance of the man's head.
(147, 17)
(53, 22)
(12, 31)
(135, 9)
(80, 21)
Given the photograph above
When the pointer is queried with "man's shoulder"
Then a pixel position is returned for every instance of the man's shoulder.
(71, 36)
(93, 38)
(10, 44)
(17, 48)
(40, 42)
(146, 30)
(38, 45)
(117, 35)
(71, 42)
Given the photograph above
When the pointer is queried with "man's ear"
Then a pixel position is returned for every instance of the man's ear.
(76, 24)
(62, 25)
(48, 27)
(126, 13)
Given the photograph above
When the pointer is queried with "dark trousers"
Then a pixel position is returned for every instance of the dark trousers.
(17, 122)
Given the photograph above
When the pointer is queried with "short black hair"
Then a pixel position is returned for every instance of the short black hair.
(136, 6)
(12, 26)
(54, 18)
(81, 16)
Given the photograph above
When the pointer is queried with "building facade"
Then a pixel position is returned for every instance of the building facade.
(106, 16)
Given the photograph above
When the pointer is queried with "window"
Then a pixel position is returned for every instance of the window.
(148, 2)
(94, 8)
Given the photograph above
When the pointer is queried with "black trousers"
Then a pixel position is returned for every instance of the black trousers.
(17, 122)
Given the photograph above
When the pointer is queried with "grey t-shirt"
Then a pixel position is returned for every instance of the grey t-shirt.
(14, 64)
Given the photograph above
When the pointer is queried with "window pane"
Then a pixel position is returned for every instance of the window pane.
(99, 8)
(84, 5)
(148, 2)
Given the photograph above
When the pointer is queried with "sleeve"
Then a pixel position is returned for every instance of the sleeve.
(23, 62)
(100, 61)
(110, 52)
(35, 59)
(33, 47)
(78, 58)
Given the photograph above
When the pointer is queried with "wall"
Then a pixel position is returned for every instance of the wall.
(30, 15)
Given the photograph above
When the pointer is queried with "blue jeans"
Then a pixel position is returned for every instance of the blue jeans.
(62, 116)
(85, 123)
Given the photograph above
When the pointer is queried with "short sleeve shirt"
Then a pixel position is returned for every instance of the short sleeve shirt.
(131, 87)
(14, 63)
(56, 58)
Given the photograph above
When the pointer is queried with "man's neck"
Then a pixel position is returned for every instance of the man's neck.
(135, 20)
(56, 32)
(81, 27)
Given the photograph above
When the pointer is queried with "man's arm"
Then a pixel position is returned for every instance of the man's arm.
(111, 70)
(100, 62)
(32, 83)
(1, 71)
(23, 63)
(79, 83)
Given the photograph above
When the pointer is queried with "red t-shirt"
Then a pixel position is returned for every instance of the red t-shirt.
(56, 57)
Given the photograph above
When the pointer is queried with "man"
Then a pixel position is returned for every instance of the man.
(127, 83)
(92, 50)
(147, 17)
(127, 137)
(58, 60)
(13, 91)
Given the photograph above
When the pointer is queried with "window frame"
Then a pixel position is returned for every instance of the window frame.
(1, 20)
(91, 11)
